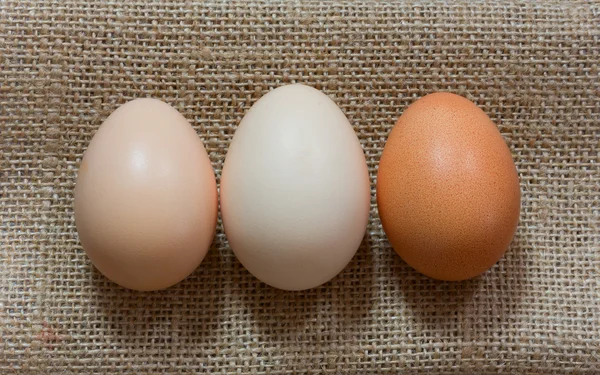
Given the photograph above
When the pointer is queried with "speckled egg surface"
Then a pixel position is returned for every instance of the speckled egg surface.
(447, 188)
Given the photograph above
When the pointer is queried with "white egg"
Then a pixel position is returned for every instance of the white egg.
(295, 192)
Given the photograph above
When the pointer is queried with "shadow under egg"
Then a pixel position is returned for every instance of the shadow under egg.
(325, 316)
(468, 309)
(182, 318)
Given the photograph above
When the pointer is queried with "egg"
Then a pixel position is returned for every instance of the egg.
(146, 197)
(447, 188)
(295, 192)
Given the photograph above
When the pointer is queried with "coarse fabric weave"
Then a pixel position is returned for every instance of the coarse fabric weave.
(532, 66)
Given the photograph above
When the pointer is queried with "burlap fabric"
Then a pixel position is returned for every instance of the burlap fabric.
(534, 67)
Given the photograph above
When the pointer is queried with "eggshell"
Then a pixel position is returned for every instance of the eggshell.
(295, 190)
(146, 197)
(447, 188)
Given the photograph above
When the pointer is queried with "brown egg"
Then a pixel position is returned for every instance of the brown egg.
(447, 188)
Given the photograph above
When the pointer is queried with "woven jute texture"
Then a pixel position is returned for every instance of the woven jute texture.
(533, 67)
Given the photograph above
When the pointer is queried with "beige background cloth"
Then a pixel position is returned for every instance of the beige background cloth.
(534, 67)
